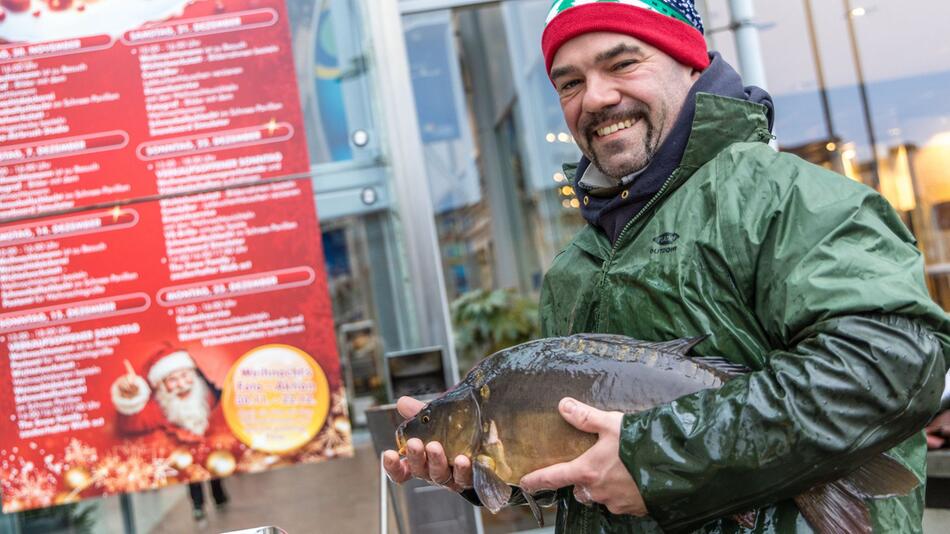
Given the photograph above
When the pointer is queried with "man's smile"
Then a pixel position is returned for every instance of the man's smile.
(614, 128)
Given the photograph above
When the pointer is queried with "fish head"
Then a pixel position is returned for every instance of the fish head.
(452, 420)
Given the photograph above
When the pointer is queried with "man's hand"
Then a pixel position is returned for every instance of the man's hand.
(426, 461)
(598, 475)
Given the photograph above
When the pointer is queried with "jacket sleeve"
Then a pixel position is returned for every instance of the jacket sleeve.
(858, 368)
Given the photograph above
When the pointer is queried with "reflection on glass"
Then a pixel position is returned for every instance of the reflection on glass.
(463, 219)
(327, 77)
(331, 72)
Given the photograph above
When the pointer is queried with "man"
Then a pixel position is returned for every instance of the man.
(175, 401)
(697, 227)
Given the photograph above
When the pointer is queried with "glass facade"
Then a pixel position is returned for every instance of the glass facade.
(859, 87)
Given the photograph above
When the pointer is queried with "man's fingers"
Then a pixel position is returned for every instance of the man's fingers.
(583, 417)
(439, 471)
(408, 406)
(462, 471)
(396, 468)
(551, 478)
(416, 456)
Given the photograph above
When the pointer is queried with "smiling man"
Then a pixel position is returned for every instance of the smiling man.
(697, 227)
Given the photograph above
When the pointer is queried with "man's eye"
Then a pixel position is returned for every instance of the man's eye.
(624, 64)
(569, 85)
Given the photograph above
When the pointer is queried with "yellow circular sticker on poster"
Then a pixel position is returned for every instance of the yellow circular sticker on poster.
(275, 398)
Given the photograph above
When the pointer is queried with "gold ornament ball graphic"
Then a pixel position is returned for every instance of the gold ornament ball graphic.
(221, 463)
(181, 459)
(275, 398)
(77, 478)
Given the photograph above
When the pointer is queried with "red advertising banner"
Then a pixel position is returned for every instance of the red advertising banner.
(164, 315)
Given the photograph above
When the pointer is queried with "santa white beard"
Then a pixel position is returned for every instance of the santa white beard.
(191, 412)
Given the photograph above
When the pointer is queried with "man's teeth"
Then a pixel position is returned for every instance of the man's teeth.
(607, 130)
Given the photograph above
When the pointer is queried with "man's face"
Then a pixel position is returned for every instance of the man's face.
(179, 383)
(620, 98)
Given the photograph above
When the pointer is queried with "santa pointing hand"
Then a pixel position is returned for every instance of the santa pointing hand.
(130, 392)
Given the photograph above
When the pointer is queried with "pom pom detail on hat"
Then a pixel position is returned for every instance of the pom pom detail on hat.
(672, 26)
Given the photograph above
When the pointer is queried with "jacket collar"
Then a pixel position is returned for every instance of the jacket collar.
(719, 122)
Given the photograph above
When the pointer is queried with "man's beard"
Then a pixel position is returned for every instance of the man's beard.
(191, 412)
(635, 112)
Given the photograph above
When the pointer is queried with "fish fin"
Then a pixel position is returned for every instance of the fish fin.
(882, 477)
(492, 446)
(676, 346)
(746, 520)
(543, 498)
(721, 365)
(492, 491)
(534, 508)
(840, 506)
(835, 507)
(546, 498)
(477, 435)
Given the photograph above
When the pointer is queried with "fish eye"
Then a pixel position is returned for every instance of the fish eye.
(425, 419)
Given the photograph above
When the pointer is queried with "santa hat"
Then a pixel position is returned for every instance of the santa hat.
(672, 26)
(165, 362)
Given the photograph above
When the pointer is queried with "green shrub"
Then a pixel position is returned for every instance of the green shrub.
(488, 321)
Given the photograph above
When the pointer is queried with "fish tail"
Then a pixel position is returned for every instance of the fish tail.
(841, 506)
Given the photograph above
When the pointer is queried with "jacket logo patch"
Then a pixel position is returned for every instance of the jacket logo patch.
(665, 242)
(666, 239)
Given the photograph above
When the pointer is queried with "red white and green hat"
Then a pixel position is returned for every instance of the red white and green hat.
(673, 26)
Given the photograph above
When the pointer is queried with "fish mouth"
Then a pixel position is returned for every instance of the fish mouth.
(401, 442)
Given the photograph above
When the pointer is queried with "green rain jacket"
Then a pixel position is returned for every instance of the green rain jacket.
(807, 278)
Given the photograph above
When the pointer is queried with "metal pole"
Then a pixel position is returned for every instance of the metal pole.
(128, 518)
(832, 147)
(383, 505)
(10, 523)
(819, 71)
(863, 93)
(747, 42)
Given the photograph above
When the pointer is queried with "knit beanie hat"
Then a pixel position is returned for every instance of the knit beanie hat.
(672, 26)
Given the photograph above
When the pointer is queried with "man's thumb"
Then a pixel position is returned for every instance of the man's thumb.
(581, 416)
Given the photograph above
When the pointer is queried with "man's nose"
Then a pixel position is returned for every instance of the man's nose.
(600, 93)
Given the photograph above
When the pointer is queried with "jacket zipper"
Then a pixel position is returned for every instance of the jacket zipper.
(615, 247)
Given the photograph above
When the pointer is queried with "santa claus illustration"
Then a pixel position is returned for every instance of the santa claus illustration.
(174, 397)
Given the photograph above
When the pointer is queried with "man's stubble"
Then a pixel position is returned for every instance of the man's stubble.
(638, 160)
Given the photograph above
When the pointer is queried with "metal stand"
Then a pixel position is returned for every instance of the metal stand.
(128, 518)
(384, 491)
(10, 523)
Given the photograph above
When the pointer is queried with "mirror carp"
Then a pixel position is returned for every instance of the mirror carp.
(504, 416)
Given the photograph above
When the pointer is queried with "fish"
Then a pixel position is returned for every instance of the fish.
(503, 415)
